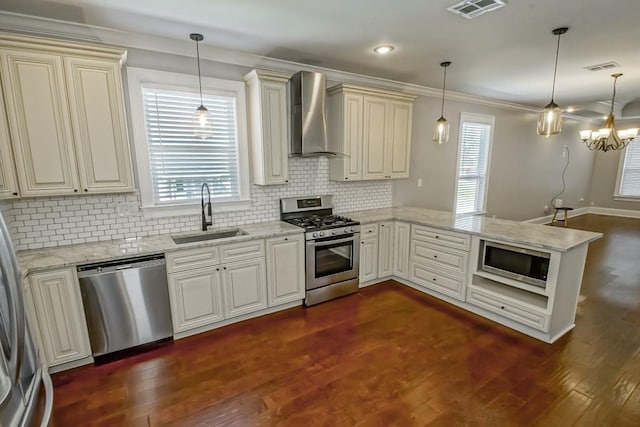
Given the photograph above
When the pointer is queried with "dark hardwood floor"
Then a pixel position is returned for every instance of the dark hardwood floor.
(388, 356)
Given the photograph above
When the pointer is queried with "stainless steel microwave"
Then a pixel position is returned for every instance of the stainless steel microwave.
(524, 265)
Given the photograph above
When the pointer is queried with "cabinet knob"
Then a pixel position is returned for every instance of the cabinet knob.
(224, 268)
(435, 256)
(86, 190)
(15, 194)
(437, 237)
(502, 307)
(286, 180)
(75, 190)
(286, 238)
(218, 269)
(346, 177)
(434, 279)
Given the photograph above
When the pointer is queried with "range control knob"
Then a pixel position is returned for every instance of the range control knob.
(321, 233)
(334, 232)
(351, 229)
(314, 235)
(346, 230)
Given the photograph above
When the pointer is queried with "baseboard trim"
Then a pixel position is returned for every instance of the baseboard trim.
(547, 218)
(626, 213)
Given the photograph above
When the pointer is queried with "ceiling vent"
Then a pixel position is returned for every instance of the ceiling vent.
(472, 8)
(604, 66)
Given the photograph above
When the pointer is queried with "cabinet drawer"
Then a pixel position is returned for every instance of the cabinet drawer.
(368, 230)
(440, 237)
(241, 251)
(431, 277)
(192, 258)
(520, 313)
(444, 257)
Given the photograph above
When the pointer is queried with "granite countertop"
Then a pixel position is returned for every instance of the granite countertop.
(554, 238)
(72, 255)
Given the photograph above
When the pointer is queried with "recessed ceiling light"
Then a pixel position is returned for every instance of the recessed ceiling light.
(383, 49)
(571, 109)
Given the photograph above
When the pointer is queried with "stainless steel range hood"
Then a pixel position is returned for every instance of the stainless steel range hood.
(307, 92)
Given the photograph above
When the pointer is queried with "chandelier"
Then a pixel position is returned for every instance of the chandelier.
(608, 138)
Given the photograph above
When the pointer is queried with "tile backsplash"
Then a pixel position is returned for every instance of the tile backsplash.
(40, 222)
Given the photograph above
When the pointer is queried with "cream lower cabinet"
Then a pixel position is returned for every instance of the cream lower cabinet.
(65, 110)
(245, 287)
(401, 238)
(196, 298)
(285, 269)
(368, 253)
(61, 321)
(385, 249)
(212, 284)
(373, 128)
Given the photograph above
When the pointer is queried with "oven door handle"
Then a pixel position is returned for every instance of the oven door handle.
(332, 242)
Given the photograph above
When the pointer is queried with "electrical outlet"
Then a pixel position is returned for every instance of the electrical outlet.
(546, 209)
(581, 200)
(419, 182)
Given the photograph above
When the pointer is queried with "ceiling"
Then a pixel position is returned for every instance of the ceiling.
(507, 54)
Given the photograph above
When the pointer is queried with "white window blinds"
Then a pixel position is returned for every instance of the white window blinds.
(473, 158)
(630, 176)
(179, 160)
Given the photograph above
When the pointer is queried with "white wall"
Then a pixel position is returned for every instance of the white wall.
(525, 169)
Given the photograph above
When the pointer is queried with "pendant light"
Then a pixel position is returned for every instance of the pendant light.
(550, 118)
(441, 129)
(202, 121)
(608, 138)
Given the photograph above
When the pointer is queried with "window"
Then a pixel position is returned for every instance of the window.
(173, 162)
(628, 184)
(474, 151)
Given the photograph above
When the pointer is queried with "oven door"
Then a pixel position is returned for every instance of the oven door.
(332, 260)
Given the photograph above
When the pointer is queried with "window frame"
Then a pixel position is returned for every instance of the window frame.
(139, 77)
(482, 119)
(621, 162)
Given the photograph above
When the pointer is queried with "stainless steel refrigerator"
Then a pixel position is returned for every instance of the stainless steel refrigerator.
(26, 392)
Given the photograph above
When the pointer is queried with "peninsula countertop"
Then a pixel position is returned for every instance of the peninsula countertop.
(541, 236)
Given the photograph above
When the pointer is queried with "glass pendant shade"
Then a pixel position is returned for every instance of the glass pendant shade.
(202, 123)
(550, 120)
(441, 131)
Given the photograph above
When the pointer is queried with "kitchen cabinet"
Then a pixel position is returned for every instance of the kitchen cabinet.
(268, 126)
(65, 109)
(61, 320)
(285, 269)
(373, 128)
(368, 253)
(245, 287)
(438, 260)
(8, 179)
(211, 284)
(196, 298)
(401, 238)
(385, 249)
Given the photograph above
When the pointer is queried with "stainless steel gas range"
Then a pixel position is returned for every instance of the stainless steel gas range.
(332, 247)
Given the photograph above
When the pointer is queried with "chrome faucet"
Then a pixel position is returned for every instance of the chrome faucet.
(206, 223)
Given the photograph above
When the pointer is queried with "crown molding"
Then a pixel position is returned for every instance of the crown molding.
(34, 25)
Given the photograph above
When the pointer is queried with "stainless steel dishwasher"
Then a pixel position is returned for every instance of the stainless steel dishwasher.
(126, 303)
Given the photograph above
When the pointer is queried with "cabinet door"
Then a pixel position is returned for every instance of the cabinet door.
(285, 269)
(61, 320)
(275, 135)
(374, 136)
(368, 259)
(399, 140)
(352, 136)
(245, 287)
(385, 249)
(36, 102)
(401, 236)
(99, 125)
(8, 180)
(196, 298)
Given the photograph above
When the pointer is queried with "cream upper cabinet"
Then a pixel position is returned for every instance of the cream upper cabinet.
(99, 124)
(345, 116)
(65, 108)
(372, 128)
(8, 179)
(38, 113)
(268, 126)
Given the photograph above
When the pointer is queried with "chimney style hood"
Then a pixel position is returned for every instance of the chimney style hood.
(307, 92)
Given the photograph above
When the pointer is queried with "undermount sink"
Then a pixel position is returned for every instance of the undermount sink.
(179, 240)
